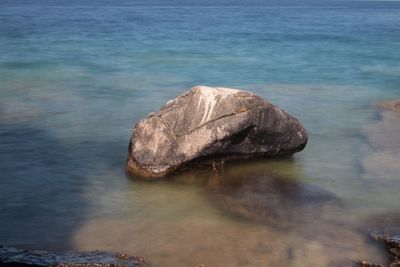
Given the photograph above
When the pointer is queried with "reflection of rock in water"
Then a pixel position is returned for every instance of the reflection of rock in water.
(271, 198)
(382, 158)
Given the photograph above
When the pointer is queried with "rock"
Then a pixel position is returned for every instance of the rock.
(11, 257)
(211, 122)
(384, 228)
(392, 243)
(368, 264)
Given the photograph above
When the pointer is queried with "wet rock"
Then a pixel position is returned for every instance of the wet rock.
(368, 264)
(392, 244)
(211, 122)
(11, 257)
(384, 229)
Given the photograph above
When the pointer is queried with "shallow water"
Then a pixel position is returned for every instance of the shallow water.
(75, 78)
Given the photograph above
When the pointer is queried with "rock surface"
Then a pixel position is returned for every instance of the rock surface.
(11, 257)
(392, 243)
(210, 122)
(384, 228)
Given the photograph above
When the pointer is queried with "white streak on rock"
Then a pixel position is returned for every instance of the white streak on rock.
(209, 98)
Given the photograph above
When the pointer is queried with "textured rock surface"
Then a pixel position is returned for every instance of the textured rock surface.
(11, 257)
(211, 122)
(392, 243)
(384, 228)
(368, 264)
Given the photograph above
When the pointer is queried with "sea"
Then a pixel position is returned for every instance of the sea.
(76, 76)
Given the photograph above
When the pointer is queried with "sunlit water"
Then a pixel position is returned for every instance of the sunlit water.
(75, 78)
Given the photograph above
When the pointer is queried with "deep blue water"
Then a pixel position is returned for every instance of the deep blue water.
(75, 76)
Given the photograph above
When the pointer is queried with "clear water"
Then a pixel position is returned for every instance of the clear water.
(75, 76)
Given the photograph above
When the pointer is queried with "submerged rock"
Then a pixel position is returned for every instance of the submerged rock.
(392, 244)
(382, 153)
(211, 122)
(384, 228)
(11, 257)
(271, 198)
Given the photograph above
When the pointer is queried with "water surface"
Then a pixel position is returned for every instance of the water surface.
(76, 76)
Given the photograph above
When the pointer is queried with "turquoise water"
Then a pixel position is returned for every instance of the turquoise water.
(76, 76)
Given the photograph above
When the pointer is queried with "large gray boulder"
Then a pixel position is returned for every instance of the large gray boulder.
(208, 122)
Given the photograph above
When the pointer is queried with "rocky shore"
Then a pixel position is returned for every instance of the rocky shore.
(12, 257)
(392, 244)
